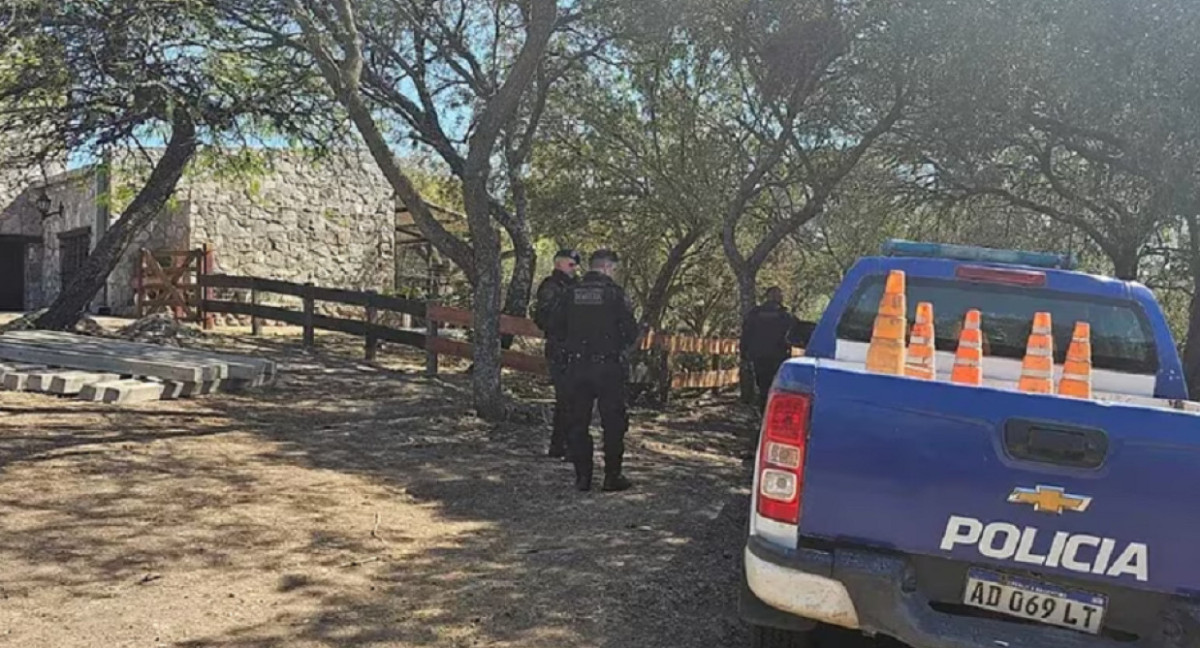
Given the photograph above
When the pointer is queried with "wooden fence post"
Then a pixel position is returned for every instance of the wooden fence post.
(255, 320)
(431, 332)
(140, 282)
(372, 344)
(665, 370)
(309, 339)
(205, 267)
(716, 370)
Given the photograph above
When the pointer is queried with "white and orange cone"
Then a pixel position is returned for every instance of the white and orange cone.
(887, 352)
(1077, 370)
(1037, 370)
(968, 359)
(921, 362)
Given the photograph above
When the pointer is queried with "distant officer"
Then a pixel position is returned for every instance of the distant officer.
(549, 293)
(768, 334)
(597, 322)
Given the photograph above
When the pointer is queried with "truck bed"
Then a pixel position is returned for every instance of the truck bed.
(936, 469)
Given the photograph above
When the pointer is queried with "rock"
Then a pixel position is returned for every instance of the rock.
(159, 328)
(89, 326)
(23, 323)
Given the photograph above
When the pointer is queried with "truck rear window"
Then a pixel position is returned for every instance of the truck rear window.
(1121, 336)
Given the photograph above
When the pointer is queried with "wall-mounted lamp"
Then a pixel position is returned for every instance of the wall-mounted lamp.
(43, 204)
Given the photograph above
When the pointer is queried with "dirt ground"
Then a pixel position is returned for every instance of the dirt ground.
(357, 505)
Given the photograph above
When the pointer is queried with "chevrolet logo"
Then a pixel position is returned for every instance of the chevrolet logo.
(1049, 499)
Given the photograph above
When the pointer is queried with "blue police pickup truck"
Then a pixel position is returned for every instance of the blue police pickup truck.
(960, 516)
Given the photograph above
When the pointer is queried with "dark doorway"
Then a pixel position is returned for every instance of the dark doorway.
(12, 275)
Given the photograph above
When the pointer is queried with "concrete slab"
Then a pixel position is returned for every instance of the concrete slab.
(16, 380)
(10, 367)
(134, 391)
(70, 384)
(241, 367)
(14, 350)
(94, 392)
(122, 392)
(39, 381)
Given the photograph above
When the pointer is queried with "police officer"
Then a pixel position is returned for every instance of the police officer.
(549, 293)
(597, 323)
(768, 333)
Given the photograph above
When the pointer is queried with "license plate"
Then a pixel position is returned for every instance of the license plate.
(1028, 599)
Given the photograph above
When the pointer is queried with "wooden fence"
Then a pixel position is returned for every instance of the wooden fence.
(169, 280)
(369, 327)
(675, 362)
(710, 352)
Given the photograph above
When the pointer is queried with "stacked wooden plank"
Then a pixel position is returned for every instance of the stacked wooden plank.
(119, 371)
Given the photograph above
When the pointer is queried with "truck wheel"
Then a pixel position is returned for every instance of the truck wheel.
(761, 637)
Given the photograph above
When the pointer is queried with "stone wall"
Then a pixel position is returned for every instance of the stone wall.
(330, 222)
(76, 192)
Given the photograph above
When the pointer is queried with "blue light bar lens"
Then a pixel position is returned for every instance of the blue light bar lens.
(897, 247)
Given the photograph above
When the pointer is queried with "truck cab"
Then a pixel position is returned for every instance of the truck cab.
(972, 516)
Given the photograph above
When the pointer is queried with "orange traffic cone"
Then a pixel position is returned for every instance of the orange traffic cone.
(921, 362)
(1077, 370)
(968, 359)
(886, 353)
(1037, 371)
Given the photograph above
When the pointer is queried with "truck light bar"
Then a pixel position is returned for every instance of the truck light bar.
(896, 247)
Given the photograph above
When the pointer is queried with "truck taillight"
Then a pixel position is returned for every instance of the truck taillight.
(781, 456)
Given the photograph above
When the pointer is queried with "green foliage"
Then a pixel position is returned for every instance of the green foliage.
(1032, 124)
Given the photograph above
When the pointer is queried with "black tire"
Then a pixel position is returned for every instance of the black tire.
(761, 637)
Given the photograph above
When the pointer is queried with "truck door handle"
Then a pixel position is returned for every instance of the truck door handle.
(1054, 443)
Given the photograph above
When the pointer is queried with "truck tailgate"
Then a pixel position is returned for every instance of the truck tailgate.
(1053, 485)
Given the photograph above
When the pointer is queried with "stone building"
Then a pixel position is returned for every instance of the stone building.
(332, 222)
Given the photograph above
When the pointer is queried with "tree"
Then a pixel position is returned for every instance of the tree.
(1081, 111)
(415, 65)
(627, 160)
(84, 78)
(809, 74)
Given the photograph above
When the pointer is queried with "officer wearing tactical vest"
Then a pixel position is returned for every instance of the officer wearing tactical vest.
(598, 326)
(549, 293)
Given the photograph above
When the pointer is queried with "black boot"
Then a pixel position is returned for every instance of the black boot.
(583, 477)
(614, 481)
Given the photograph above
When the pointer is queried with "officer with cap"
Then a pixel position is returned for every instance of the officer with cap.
(598, 326)
(549, 293)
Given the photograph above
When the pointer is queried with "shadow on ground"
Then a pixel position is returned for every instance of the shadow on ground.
(353, 504)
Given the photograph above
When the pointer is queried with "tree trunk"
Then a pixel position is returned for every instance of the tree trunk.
(1126, 265)
(520, 284)
(485, 340)
(74, 298)
(1191, 349)
(659, 297)
(747, 278)
(447, 244)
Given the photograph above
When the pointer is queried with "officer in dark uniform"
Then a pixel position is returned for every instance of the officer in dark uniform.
(597, 322)
(549, 293)
(768, 334)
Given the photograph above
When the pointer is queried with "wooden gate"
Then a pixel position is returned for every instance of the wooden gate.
(169, 281)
